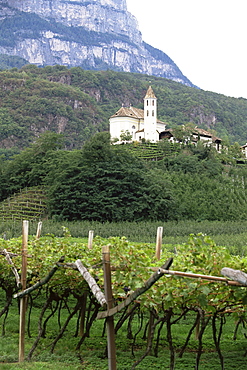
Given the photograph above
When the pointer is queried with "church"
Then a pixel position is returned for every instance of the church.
(138, 124)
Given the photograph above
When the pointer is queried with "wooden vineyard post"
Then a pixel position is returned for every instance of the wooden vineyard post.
(23, 300)
(38, 233)
(111, 346)
(159, 242)
(90, 239)
(83, 313)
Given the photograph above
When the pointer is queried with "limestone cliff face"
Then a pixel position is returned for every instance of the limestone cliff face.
(94, 34)
(106, 16)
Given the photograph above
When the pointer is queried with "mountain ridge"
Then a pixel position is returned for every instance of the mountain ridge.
(96, 34)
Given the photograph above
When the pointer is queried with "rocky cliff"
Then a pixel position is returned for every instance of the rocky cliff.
(93, 34)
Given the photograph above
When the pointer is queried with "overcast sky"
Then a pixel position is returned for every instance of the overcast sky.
(207, 39)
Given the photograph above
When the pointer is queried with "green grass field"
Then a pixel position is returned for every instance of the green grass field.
(92, 353)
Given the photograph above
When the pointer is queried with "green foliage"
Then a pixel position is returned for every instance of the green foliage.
(125, 136)
(107, 183)
(176, 301)
(29, 167)
(10, 61)
(104, 182)
(8, 128)
(36, 105)
(231, 234)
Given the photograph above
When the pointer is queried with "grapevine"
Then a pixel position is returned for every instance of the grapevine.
(165, 304)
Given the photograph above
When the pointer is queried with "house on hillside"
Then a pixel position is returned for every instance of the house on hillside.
(133, 124)
(197, 134)
(244, 150)
(139, 124)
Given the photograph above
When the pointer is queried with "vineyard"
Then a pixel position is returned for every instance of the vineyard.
(28, 204)
(231, 234)
(150, 324)
(152, 151)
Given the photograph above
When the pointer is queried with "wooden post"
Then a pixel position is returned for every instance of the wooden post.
(111, 346)
(150, 325)
(90, 239)
(159, 242)
(39, 230)
(23, 300)
(83, 314)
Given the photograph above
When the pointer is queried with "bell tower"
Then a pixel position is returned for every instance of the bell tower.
(150, 116)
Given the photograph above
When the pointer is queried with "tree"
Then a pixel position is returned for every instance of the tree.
(108, 183)
(29, 167)
(98, 149)
(184, 133)
(125, 135)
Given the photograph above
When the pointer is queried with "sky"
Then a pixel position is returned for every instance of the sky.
(207, 39)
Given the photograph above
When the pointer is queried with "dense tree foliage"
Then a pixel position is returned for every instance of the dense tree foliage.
(105, 182)
(29, 168)
(11, 61)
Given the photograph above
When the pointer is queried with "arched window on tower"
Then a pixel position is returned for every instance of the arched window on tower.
(153, 113)
(147, 112)
(152, 102)
(147, 102)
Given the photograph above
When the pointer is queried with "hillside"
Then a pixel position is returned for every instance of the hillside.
(78, 103)
(9, 61)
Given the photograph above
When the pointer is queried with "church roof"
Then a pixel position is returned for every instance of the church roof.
(129, 112)
(150, 93)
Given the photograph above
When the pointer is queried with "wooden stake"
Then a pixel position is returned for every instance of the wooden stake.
(39, 230)
(196, 276)
(111, 346)
(83, 314)
(90, 239)
(159, 242)
(236, 275)
(10, 262)
(91, 282)
(23, 301)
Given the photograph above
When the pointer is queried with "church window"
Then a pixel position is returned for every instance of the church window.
(133, 127)
(147, 113)
(152, 102)
(153, 113)
(147, 102)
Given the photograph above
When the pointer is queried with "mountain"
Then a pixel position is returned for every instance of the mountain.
(78, 103)
(93, 34)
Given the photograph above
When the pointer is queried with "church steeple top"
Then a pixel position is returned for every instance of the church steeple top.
(150, 93)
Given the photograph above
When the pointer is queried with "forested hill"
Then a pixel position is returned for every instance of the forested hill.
(78, 103)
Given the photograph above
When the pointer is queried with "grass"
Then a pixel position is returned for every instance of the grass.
(92, 353)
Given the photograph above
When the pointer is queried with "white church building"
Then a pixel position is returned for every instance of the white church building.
(137, 123)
